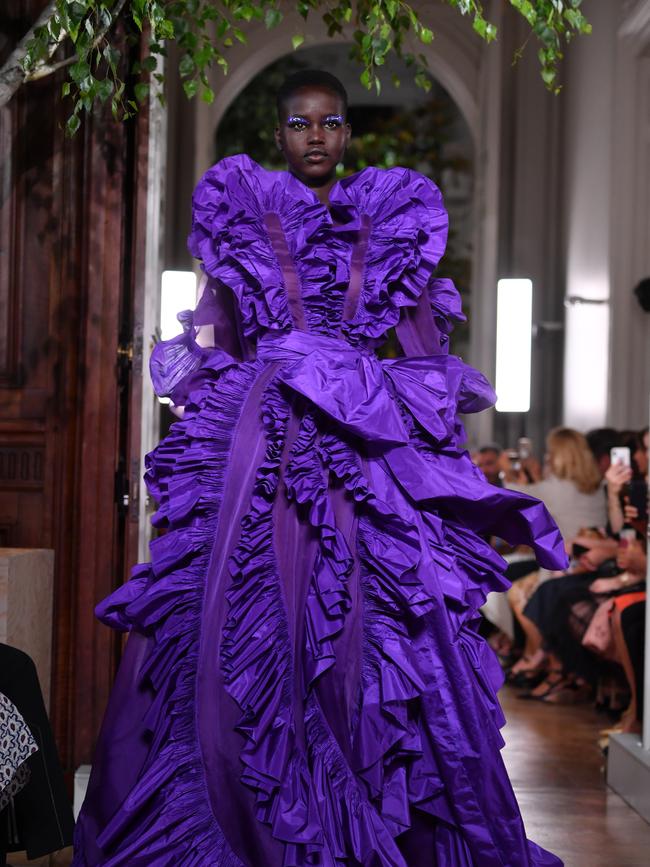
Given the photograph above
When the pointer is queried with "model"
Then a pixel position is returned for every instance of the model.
(304, 683)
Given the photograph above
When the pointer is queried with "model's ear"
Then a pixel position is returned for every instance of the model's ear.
(278, 138)
(348, 134)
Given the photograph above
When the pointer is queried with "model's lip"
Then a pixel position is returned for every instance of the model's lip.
(316, 154)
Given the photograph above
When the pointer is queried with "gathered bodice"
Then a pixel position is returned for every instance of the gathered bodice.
(278, 260)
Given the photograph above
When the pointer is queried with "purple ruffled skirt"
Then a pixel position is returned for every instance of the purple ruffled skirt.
(304, 683)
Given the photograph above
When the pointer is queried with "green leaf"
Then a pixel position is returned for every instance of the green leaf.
(426, 35)
(297, 40)
(207, 95)
(149, 63)
(72, 125)
(141, 91)
(104, 89)
(65, 88)
(548, 76)
(480, 26)
(272, 17)
(190, 87)
(186, 66)
(165, 29)
(79, 71)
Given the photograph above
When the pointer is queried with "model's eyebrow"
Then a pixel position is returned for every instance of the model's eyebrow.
(300, 118)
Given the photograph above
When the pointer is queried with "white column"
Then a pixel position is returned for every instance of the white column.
(588, 96)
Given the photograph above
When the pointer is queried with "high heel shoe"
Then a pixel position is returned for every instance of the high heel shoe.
(554, 680)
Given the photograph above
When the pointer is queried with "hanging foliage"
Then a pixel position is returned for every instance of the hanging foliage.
(88, 37)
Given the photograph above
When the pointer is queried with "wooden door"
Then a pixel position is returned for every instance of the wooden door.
(71, 288)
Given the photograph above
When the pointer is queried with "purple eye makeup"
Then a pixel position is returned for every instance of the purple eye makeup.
(296, 119)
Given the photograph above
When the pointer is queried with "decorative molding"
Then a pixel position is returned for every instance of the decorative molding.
(22, 467)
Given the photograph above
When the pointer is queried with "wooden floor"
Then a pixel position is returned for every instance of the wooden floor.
(557, 772)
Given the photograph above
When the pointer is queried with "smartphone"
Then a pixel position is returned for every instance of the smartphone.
(620, 455)
(513, 457)
(525, 448)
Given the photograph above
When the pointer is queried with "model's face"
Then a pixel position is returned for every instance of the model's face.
(313, 134)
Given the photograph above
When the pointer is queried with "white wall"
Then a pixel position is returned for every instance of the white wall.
(607, 208)
(629, 381)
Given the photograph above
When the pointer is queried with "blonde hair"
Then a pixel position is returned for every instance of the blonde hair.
(570, 457)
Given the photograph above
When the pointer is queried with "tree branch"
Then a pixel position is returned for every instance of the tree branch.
(12, 74)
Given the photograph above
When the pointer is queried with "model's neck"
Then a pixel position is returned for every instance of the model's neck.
(321, 187)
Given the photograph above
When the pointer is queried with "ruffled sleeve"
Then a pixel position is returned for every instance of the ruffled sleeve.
(174, 363)
(408, 235)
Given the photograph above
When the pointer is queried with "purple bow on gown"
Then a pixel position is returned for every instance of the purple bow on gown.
(304, 683)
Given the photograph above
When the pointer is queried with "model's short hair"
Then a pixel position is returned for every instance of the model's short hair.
(309, 78)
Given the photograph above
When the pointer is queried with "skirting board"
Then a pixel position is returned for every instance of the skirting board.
(628, 772)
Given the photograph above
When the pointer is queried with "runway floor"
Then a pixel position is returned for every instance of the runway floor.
(558, 774)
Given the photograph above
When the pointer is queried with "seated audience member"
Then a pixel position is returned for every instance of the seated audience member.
(628, 484)
(575, 653)
(629, 635)
(572, 484)
(574, 619)
(38, 818)
(487, 460)
(601, 441)
(572, 492)
(17, 744)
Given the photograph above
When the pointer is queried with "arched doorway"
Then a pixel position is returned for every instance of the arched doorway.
(402, 125)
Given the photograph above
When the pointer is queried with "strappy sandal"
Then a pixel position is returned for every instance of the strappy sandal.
(524, 676)
(555, 680)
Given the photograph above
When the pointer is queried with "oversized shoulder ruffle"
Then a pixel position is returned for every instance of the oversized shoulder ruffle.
(407, 224)
(408, 228)
(230, 238)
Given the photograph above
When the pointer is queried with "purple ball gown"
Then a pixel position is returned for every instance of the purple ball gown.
(304, 683)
